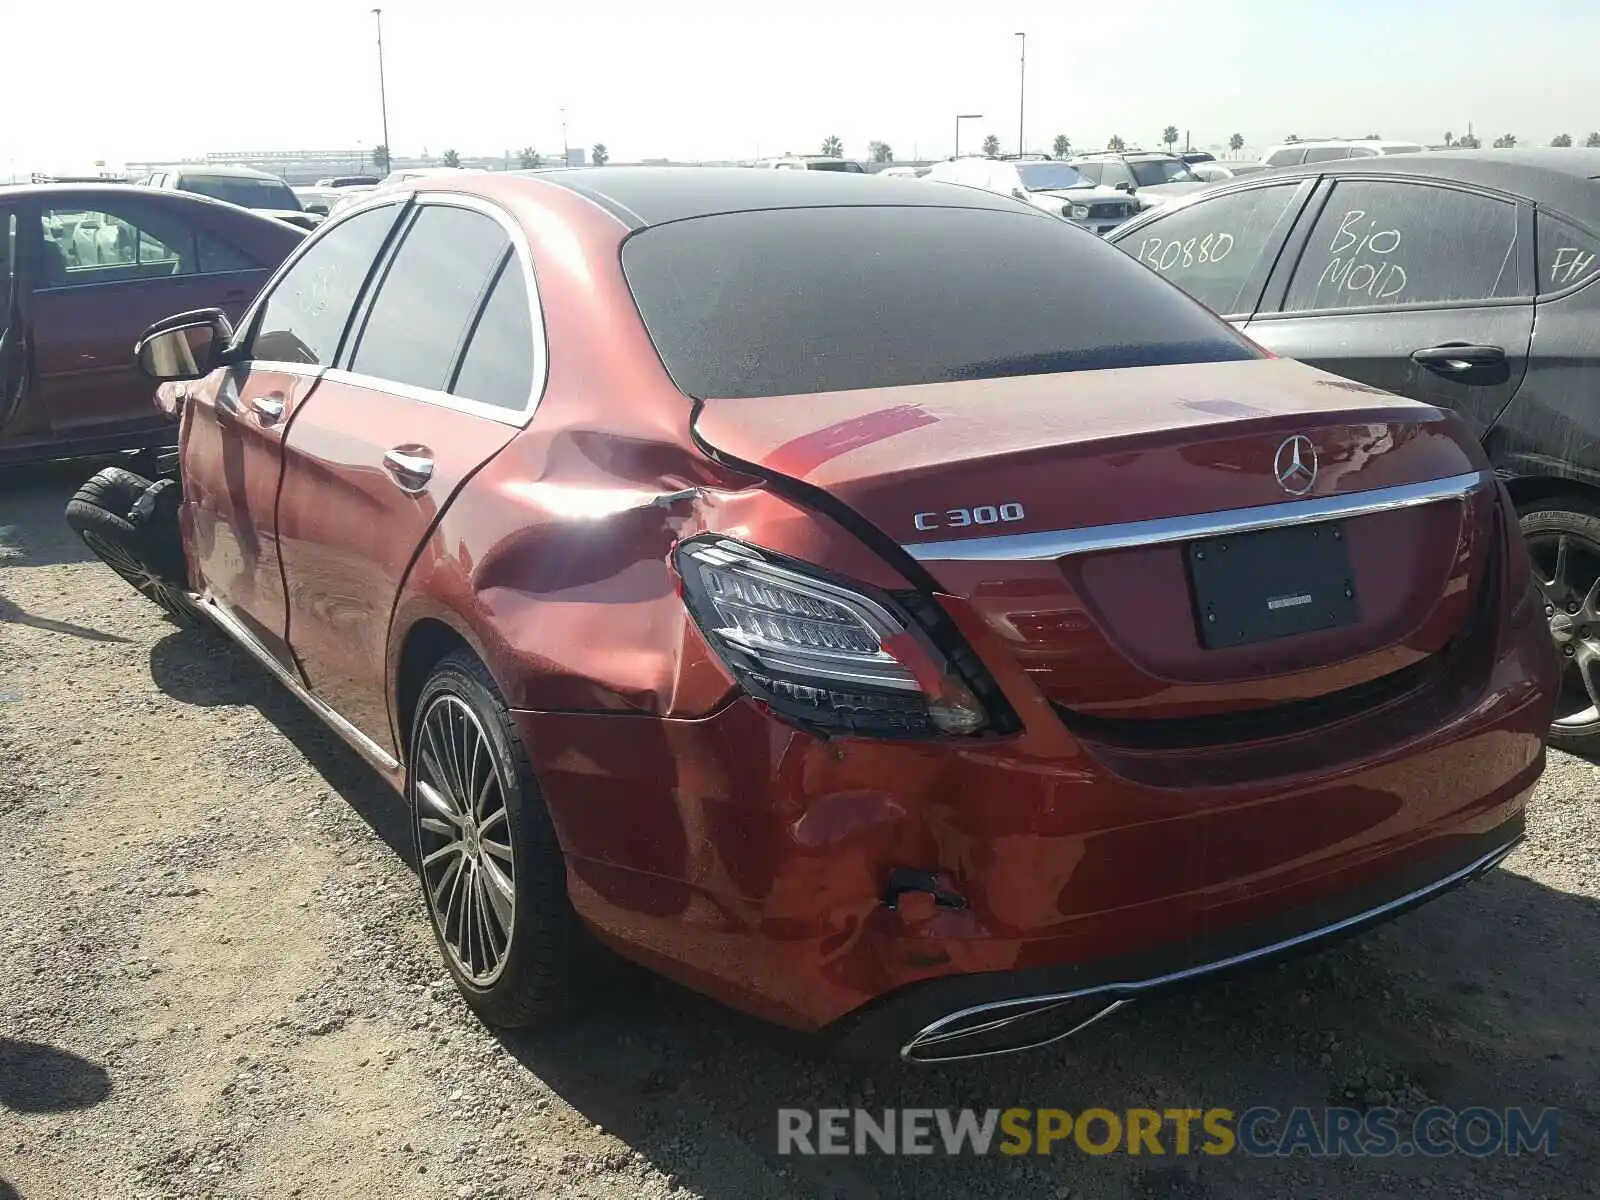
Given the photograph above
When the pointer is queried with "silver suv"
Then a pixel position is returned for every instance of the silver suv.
(1049, 184)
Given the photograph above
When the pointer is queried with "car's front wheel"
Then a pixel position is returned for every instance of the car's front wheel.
(145, 548)
(492, 871)
(1563, 538)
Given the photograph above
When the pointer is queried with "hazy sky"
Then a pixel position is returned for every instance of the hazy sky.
(714, 78)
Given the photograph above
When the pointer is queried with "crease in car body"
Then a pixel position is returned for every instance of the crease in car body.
(755, 730)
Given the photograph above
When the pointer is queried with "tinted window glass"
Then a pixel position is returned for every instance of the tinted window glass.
(1406, 243)
(828, 299)
(243, 190)
(1286, 158)
(1568, 255)
(1115, 173)
(498, 367)
(429, 296)
(304, 317)
(1155, 171)
(1211, 248)
(118, 241)
(1093, 172)
(1050, 176)
(1327, 153)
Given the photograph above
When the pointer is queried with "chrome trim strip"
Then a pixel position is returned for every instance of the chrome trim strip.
(229, 624)
(1122, 993)
(1092, 539)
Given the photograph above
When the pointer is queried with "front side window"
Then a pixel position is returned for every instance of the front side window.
(1094, 172)
(1568, 255)
(429, 297)
(304, 317)
(1385, 244)
(124, 241)
(796, 301)
(1115, 172)
(1212, 246)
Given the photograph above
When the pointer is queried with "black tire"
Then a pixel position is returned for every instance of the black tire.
(1545, 523)
(550, 965)
(150, 556)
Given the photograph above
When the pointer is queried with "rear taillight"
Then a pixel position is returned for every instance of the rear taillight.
(833, 657)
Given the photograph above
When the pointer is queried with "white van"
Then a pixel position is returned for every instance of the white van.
(1292, 154)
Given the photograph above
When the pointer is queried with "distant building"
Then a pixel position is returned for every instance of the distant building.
(575, 156)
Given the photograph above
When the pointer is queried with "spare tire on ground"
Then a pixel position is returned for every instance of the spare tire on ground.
(131, 523)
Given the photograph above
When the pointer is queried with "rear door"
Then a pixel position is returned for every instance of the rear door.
(445, 369)
(109, 265)
(1415, 287)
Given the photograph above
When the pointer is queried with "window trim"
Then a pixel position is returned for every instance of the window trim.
(516, 417)
(1556, 214)
(1281, 233)
(1270, 307)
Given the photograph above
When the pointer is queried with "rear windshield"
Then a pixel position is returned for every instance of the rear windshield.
(243, 191)
(791, 301)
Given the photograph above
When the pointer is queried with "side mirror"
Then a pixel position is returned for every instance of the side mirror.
(1124, 187)
(1019, 193)
(318, 209)
(186, 346)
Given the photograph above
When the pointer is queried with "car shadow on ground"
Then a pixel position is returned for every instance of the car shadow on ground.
(36, 1078)
(1485, 997)
(201, 667)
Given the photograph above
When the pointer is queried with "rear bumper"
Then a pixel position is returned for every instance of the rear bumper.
(750, 861)
(978, 1016)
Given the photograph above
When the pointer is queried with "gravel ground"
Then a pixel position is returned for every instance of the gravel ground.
(217, 981)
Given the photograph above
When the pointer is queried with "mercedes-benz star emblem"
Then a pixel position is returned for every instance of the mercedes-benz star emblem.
(1295, 465)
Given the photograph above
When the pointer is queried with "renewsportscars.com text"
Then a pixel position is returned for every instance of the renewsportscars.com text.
(1257, 1132)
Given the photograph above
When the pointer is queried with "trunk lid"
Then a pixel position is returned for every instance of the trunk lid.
(957, 471)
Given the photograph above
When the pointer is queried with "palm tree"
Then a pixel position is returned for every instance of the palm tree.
(1236, 142)
(832, 147)
(600, 154)
(1449, 139)
(452, 159)
(879, 152)
(1561, 139)
(1593, 140)
(531, 159)
(1062, 145)
(1505, 141)
(991, 145)
(380, 157)
(1169, 135)
(1116, 143)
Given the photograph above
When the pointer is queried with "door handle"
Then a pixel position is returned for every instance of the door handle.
(1459, 357)
(268, 409)
(410, 467)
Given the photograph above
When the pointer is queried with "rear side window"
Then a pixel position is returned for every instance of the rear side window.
(498, 367)
(795, 301)
(1326, 153)
(1212, 246)
(1381, 244)
(429, 296)
(304, 318)
(1287, 158)
(1568, 255)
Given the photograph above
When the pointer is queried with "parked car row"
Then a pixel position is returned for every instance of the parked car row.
(877, 605)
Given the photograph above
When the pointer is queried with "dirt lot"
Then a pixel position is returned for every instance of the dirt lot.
(216, 980)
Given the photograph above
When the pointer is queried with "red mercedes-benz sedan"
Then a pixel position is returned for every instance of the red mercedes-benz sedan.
(892, 611)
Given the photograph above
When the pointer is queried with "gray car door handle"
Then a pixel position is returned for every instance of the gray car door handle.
(268, 409)
(410, 467)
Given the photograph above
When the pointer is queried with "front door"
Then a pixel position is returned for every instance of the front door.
(233, 451)
(381, 447)
(110, 265)
(13, 340)
(1419, 289)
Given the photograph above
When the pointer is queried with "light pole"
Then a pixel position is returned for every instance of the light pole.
(1022, 88)
(960, 117)
(566, 153)
(383, 97)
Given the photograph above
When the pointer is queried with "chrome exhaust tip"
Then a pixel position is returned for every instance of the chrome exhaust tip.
(1008, 1027)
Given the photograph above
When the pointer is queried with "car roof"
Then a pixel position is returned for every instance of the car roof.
(218, 171)
(1568, 179)
(148, 195)
(642, 196)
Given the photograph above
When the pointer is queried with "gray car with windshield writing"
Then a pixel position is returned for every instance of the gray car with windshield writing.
(1465, 279)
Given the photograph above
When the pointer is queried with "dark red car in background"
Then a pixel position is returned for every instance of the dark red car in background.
(84, 269)
(892, 611)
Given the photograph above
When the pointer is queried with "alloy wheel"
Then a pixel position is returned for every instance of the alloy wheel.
(464, 839)
(126, 564)
(1566, 569)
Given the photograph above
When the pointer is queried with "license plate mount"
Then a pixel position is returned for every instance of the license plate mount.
(1273, 583)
